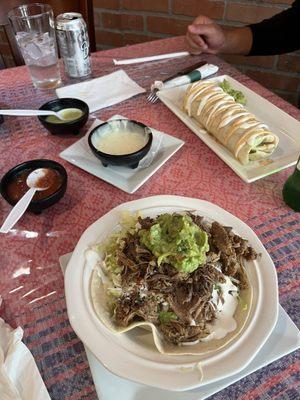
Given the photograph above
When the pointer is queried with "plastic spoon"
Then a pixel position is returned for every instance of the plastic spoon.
(28, 113)
(16, 213)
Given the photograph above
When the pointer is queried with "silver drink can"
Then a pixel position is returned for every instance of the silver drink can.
(74, 46)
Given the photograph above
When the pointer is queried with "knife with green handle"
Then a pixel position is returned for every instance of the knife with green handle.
(193, 76)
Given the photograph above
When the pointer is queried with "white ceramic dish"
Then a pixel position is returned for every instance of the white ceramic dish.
(125, 179)
(283, 125)
(136, 347)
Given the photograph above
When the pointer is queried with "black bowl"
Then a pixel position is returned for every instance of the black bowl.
(36, 206)
(70, 127)
(125, 160)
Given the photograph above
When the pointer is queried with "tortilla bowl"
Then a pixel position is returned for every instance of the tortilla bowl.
(100, 304)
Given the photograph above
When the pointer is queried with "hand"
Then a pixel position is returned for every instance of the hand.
(204, 36)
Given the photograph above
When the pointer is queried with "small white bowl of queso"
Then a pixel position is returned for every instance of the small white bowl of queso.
(120, 142)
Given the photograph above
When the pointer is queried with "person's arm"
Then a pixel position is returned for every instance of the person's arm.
(205, 36)
(278, 34)
(237, 41)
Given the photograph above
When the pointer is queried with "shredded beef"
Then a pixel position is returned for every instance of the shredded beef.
(232, 249)
(129, 309)
(250, 254)
(145, 223)
(199, 221)
(220, 239)
(177, 332)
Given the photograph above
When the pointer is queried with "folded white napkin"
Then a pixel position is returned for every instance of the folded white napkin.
(104, 91)
(19, 376)
(151, 58)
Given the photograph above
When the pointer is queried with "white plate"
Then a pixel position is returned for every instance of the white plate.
(283, 125)
(125, 179)
(136, 348)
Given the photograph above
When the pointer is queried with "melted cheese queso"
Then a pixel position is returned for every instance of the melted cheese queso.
(120, 142)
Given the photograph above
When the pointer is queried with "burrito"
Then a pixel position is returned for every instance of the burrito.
(247, 138)
(177, 275)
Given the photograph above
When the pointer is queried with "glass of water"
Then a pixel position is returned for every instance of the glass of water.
(34, 28)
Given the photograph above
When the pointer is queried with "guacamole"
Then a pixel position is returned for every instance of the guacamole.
(238, 96)
(176, 240)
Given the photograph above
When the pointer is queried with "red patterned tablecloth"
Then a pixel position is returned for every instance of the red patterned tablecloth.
(31, 282)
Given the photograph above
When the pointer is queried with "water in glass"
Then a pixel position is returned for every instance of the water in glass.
(34, 29)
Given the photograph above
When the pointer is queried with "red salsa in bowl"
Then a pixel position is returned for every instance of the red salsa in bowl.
(17, 187)
(13, 184)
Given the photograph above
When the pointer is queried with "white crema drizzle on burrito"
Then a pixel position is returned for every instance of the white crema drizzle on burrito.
(247, 138)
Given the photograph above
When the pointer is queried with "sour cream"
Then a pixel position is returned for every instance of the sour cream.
(120, 142)
(224, 321)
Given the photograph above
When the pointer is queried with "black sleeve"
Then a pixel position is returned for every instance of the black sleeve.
(279, 34)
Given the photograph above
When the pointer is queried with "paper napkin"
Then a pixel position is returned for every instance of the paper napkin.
(104, 91)
(19, 376)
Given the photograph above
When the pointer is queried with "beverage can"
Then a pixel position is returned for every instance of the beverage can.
(73, 42)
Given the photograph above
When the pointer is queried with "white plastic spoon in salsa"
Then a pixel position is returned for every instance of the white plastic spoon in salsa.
(36, 180)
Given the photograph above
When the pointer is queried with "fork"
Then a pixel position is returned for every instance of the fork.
(152, 96)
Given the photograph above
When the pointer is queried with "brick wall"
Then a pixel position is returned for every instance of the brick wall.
(121, 22)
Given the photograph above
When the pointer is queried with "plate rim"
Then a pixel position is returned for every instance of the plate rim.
(192, 379)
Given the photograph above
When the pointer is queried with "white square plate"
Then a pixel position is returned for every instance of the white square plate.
(125, 179)
(283, 125)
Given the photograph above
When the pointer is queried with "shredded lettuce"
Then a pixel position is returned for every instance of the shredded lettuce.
(110, 248)
(243, 303)
(113, 294)
(166, 316)
(218, 288)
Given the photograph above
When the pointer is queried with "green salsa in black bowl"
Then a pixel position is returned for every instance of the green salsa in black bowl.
(75, 111)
